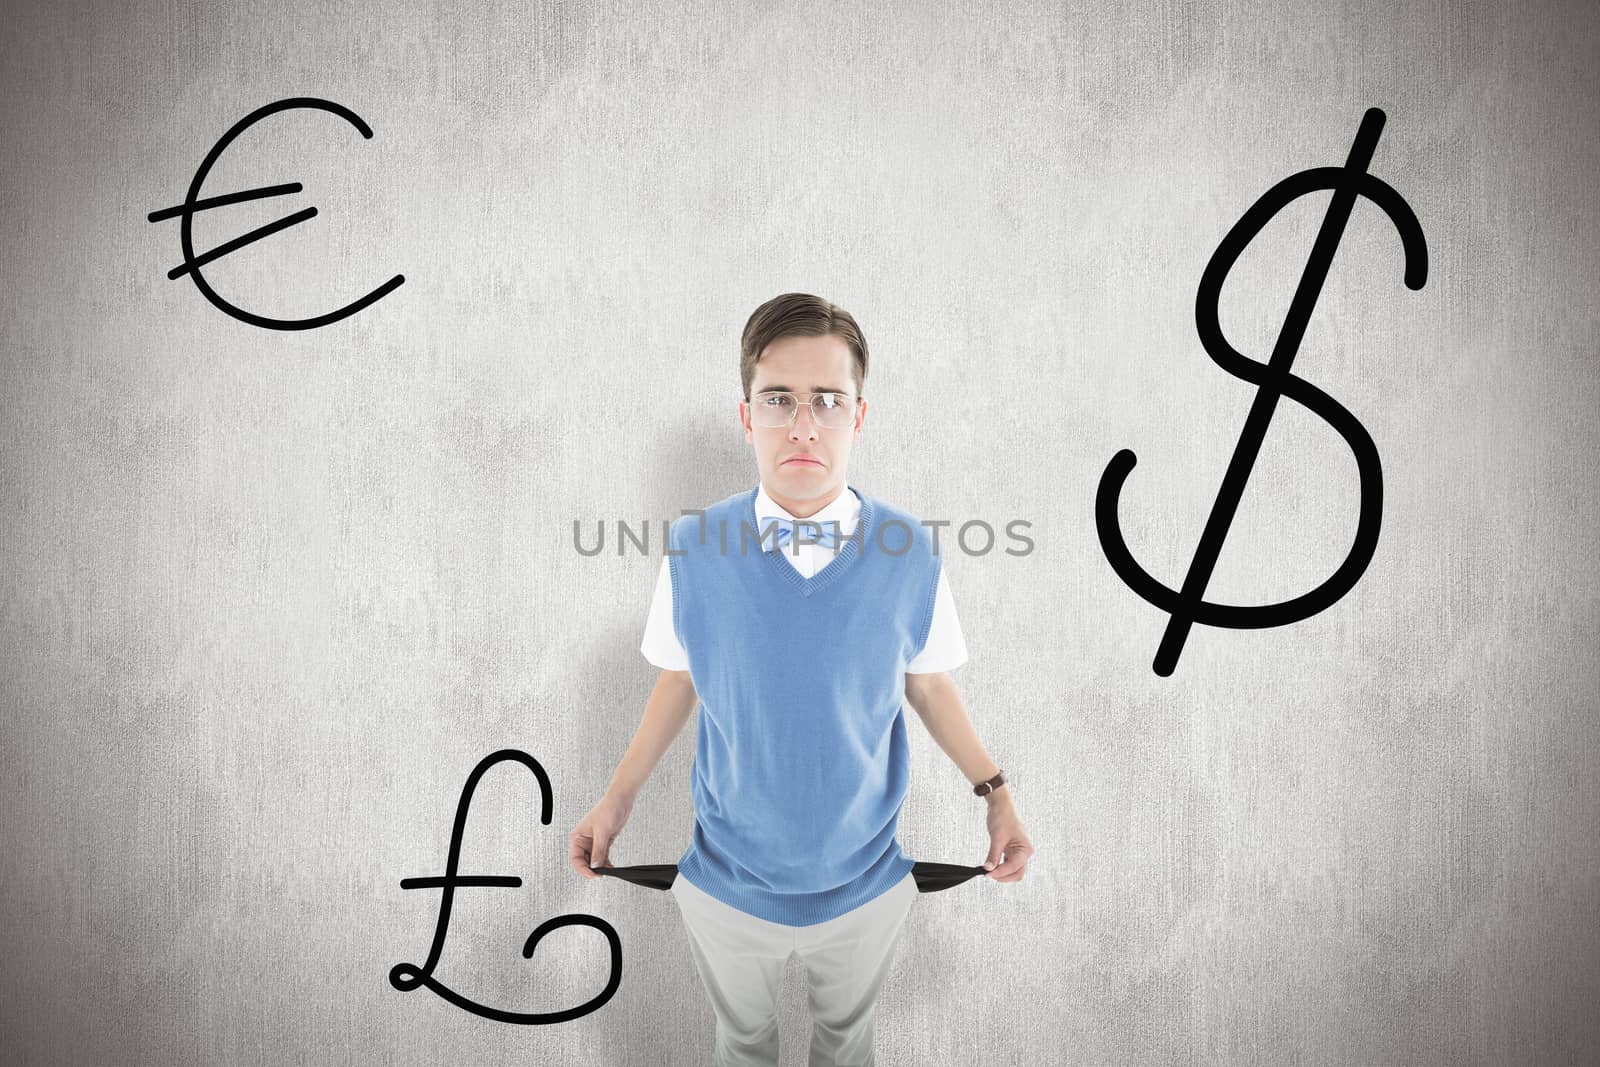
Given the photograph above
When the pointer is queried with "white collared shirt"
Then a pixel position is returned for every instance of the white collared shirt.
(946, 648)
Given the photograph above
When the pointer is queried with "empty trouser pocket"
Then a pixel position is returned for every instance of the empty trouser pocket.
(930, 877)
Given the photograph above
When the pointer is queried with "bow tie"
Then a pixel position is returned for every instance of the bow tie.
(827, 536)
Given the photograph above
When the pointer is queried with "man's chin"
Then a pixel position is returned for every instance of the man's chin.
(798, 481)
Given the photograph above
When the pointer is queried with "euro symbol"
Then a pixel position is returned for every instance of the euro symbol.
(408, 976)
(1187, 606)
(192, 204)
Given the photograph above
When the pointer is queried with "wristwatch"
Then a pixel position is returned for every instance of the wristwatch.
(985, 788)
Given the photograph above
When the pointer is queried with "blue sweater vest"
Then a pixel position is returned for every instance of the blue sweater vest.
(800, 764)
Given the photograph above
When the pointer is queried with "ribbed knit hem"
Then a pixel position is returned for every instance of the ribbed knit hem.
(796, 909)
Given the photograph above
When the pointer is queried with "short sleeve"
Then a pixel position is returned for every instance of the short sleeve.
(661, 645)
(946, 648)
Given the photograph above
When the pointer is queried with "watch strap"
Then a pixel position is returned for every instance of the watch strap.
(985, 788)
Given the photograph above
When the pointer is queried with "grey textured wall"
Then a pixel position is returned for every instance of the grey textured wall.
(266, 597)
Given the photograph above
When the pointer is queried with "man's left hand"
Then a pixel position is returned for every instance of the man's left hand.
(1007, 841)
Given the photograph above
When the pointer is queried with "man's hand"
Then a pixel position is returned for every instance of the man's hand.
(590, 841)
(1007, 839)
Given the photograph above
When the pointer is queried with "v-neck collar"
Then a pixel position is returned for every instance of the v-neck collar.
(841, 560)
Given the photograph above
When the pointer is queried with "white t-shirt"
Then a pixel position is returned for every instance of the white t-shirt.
(946, 648)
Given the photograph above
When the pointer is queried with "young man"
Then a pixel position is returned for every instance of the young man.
(800, 644)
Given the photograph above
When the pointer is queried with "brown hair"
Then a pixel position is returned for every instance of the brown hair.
(803, 314)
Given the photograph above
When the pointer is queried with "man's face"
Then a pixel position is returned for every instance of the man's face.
(803, 366)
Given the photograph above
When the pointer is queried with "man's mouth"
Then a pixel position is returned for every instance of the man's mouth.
(810, 461)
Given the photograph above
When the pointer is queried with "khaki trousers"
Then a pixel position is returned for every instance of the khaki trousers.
(740, 959)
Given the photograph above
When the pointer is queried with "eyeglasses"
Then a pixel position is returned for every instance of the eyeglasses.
(831, 411)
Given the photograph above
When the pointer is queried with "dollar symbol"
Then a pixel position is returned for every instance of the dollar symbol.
(1187, 606)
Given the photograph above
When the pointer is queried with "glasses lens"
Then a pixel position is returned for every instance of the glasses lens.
(833, 410)
(774, 409)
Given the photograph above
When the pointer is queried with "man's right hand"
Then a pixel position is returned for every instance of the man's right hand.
(590, 841)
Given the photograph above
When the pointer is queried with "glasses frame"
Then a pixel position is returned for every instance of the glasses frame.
(794, 413)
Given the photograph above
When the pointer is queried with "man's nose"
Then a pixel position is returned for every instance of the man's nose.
(809, 430)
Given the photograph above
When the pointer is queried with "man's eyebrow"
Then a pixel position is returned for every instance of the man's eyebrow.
(792, 389)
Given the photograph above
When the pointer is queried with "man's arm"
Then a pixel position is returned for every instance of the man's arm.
(938, 704)
(671, 703)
